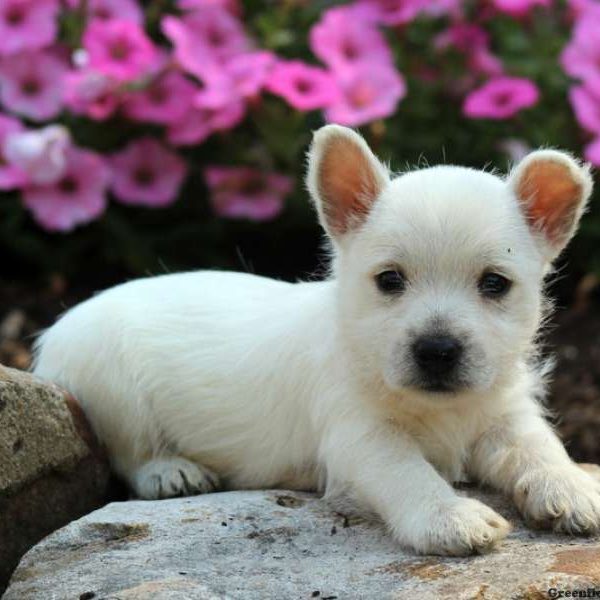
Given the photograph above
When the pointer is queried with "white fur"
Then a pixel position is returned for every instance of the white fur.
(307, 385)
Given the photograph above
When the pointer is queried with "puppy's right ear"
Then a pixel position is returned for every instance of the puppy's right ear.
(344, 178)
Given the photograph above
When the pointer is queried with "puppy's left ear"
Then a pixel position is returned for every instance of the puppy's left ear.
(552, 189)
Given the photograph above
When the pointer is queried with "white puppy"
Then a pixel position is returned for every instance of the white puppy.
(410, 366)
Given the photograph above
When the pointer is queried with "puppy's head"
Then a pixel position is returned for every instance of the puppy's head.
(440, 271)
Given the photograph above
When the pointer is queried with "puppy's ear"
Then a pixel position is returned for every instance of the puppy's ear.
(344, 178)
(552, 189)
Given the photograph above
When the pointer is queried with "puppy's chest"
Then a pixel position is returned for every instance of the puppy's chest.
(446, 446)
(448, 461)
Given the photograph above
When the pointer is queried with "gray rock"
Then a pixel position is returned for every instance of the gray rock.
(51, 469)
(282, 545)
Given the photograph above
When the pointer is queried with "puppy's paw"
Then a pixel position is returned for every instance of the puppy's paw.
(566, 499)
(171, 477)
(460, 527)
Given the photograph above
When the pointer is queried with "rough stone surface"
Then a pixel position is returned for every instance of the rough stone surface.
(51, 469)
(279, 544)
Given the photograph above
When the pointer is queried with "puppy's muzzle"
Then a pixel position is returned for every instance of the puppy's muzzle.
(438, 358)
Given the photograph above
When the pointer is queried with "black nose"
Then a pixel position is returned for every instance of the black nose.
(437, 355)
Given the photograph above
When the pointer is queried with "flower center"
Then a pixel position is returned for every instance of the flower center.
(15, 15)
(31, 87)
(389, 6)
(144, 176)
(68, 185)
(349, 50)
(362, 95)
(216, 38)
(503, 98)
(157, 95)
(102, 12)
(119, 50)
(304, 86)
(252, 186)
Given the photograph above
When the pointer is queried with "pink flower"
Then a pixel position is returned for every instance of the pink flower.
(242, 192)
(438, 8)
(481, 60)
(211, 44)
(165, 100)
(519, 8)
(230, 5)
(126, 10)
(395, 12)
(27, 25)
(41, 153)
(90, 93)
(369, 93)
(501, 98)
(200, 123)
(78, 197)
(241, 77)
(205, 36)
(119, 49)
(146, 173)
(217, 89)
(344, 37)
(463, 37)
(472, 41)
(579, 7)
(592, 152)
(11, 176)
(248, 72)
(401, 12)
(304, 87)
(581, 56)
(515, 148)
(587, 108)
(31, 84)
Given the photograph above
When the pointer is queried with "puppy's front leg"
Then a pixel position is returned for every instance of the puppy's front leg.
(384, 469)
(522, 456)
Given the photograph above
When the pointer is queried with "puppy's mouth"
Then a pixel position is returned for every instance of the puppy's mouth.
(440, 386)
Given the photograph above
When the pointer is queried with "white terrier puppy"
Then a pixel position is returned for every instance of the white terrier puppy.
(410, 366)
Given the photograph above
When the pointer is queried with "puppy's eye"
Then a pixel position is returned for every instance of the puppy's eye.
(493, 285)
(390, 282)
